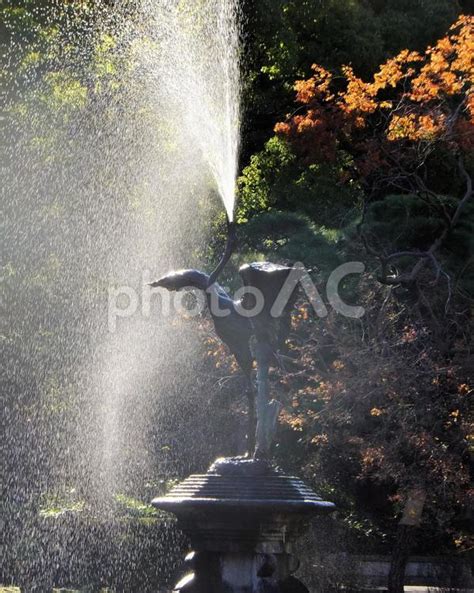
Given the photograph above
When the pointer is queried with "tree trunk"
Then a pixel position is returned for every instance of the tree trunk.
(400, 555)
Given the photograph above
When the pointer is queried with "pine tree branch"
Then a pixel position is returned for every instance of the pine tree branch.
(429, 255)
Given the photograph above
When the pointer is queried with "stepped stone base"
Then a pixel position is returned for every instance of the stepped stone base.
(242, 517)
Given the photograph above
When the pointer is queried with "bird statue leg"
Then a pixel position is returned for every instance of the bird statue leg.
(267, 410)
(252, 417)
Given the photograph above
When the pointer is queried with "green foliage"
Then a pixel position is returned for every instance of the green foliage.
(292, 237)
(56, 505)
(135, 508)
(265, 169)
(275, 179)
(56, 511)
(70, 61)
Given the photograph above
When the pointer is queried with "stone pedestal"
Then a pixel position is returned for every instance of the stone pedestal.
(242, 517)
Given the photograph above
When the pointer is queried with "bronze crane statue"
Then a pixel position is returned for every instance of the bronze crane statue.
(267, 330)
(232, 328)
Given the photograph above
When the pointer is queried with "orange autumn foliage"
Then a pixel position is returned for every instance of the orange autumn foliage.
(412, 99)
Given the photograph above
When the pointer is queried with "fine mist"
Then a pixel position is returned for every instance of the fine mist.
(112, 170)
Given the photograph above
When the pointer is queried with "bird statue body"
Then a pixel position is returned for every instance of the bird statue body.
(234, 329)
(266, 331)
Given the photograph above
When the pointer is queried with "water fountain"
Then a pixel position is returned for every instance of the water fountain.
(243, 515)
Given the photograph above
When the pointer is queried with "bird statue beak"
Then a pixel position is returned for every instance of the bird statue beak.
(180, 279)
(172, 282)
(161, 282)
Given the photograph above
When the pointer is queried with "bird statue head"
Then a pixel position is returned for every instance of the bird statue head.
(180, 279)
